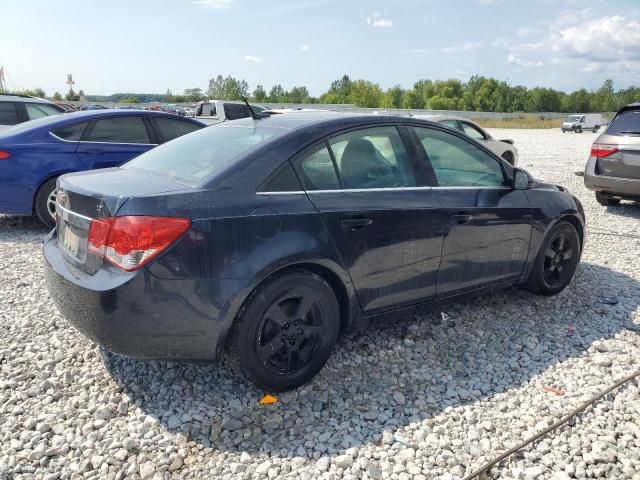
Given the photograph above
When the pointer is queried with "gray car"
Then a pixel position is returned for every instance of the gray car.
(18, 108)
(613, 168)
(502, 148)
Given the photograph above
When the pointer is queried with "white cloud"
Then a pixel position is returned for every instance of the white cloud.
(500, 43)
(376, 21)
(461, 48)
(304, 48)
(607, 39)
(523, 63)
(527, 46)
(251, 58)
(216, 4)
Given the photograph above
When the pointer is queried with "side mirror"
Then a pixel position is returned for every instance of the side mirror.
(521, 179)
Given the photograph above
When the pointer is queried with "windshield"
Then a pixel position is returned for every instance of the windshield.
(573, 118)
(196, 156)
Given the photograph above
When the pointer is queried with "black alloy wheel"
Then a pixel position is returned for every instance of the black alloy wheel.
(286, 331)
(557, 260)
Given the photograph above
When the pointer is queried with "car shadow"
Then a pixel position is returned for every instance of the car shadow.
(391, 376)
(626, 209)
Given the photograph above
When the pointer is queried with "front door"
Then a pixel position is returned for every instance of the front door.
(385, 224)
(488, 223)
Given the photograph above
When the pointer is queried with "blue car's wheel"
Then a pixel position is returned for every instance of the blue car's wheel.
(45, 203)
(286, 331)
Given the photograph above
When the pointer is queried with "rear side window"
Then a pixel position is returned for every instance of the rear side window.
(457, 162)
(168, 129)
(8, 113)
(119, 130)
(372, 158)
(235, 111)
(627, 123)
(71, 133)
(472, 131)
(39, 110)
(284, 180)
(450, 123)
(316, 169)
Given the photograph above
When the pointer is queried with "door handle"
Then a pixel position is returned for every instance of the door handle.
(355, 223)
(461, 218)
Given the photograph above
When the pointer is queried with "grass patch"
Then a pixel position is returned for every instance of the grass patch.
(520, 123)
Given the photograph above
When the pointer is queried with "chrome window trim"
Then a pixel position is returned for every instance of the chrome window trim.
(100, 143)
(394, 189)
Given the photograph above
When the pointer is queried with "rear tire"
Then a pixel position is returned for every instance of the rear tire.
(556, 262)
(285, 332)
(579, 130)
(45, 203)
(606, 201)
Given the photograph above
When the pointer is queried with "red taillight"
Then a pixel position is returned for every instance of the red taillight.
(130, 242)
(4, 155)
(602, 150)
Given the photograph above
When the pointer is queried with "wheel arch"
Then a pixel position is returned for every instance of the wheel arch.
(50, 176)
(334, 275)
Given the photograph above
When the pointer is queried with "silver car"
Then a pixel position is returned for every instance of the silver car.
(502, 148)
(17, 108)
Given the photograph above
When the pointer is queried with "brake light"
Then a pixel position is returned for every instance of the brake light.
(132, 241)
(602, 150)
(4, 155)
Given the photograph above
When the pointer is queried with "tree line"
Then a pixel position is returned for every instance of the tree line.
(477, 94)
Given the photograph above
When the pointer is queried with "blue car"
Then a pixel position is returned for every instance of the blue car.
(34, 154)
(264, 239)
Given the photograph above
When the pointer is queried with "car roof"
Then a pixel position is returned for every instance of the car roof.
(18, 97)
(54, 121)
(439, 118)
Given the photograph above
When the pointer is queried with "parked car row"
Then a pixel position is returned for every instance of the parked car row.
(16, 108)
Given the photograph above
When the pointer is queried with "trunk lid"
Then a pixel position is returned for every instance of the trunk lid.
(625, 162)
(84, 196)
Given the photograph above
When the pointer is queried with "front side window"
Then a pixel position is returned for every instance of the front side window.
(372, 158)
(39, 110)
(71, 133)
(457, 162)
(170, 129)
(8, 113)
(472, 131)
(120, 130)
(317, 171)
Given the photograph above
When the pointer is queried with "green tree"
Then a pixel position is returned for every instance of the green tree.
(339, 92)
(365, 94)
(57, 97)
(392, 98)
(227, 88)
(72, 96)
(298, 95)
(277, 94)
(193, 94)
(129, 99)
(259, 94)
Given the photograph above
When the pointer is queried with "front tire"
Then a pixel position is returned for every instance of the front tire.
(285, 332)
(606, 201)
(45, 203)
(556, 262)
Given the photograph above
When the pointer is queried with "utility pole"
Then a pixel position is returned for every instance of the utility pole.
(70, 81)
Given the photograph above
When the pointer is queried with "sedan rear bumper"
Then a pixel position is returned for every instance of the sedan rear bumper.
(136, 314)
(614, 186)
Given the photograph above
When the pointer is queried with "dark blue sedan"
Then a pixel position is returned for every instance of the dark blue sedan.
(265, 239)
(35, 153)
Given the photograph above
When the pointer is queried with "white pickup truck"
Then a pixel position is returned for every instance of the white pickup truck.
(583, 121)
(216, 111)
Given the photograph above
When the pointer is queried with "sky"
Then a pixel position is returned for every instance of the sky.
(149, 46)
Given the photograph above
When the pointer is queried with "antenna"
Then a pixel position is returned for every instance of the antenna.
(254, 115)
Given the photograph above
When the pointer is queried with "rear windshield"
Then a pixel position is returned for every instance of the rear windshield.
(197, 156)
(627, 123)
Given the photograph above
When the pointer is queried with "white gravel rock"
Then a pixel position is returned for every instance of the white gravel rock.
(417, 398)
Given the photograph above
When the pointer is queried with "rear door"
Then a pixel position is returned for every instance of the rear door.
(111, 141)
(488, 223)
(385, 224)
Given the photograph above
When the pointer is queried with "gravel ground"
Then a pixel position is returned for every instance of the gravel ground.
(421, 398)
